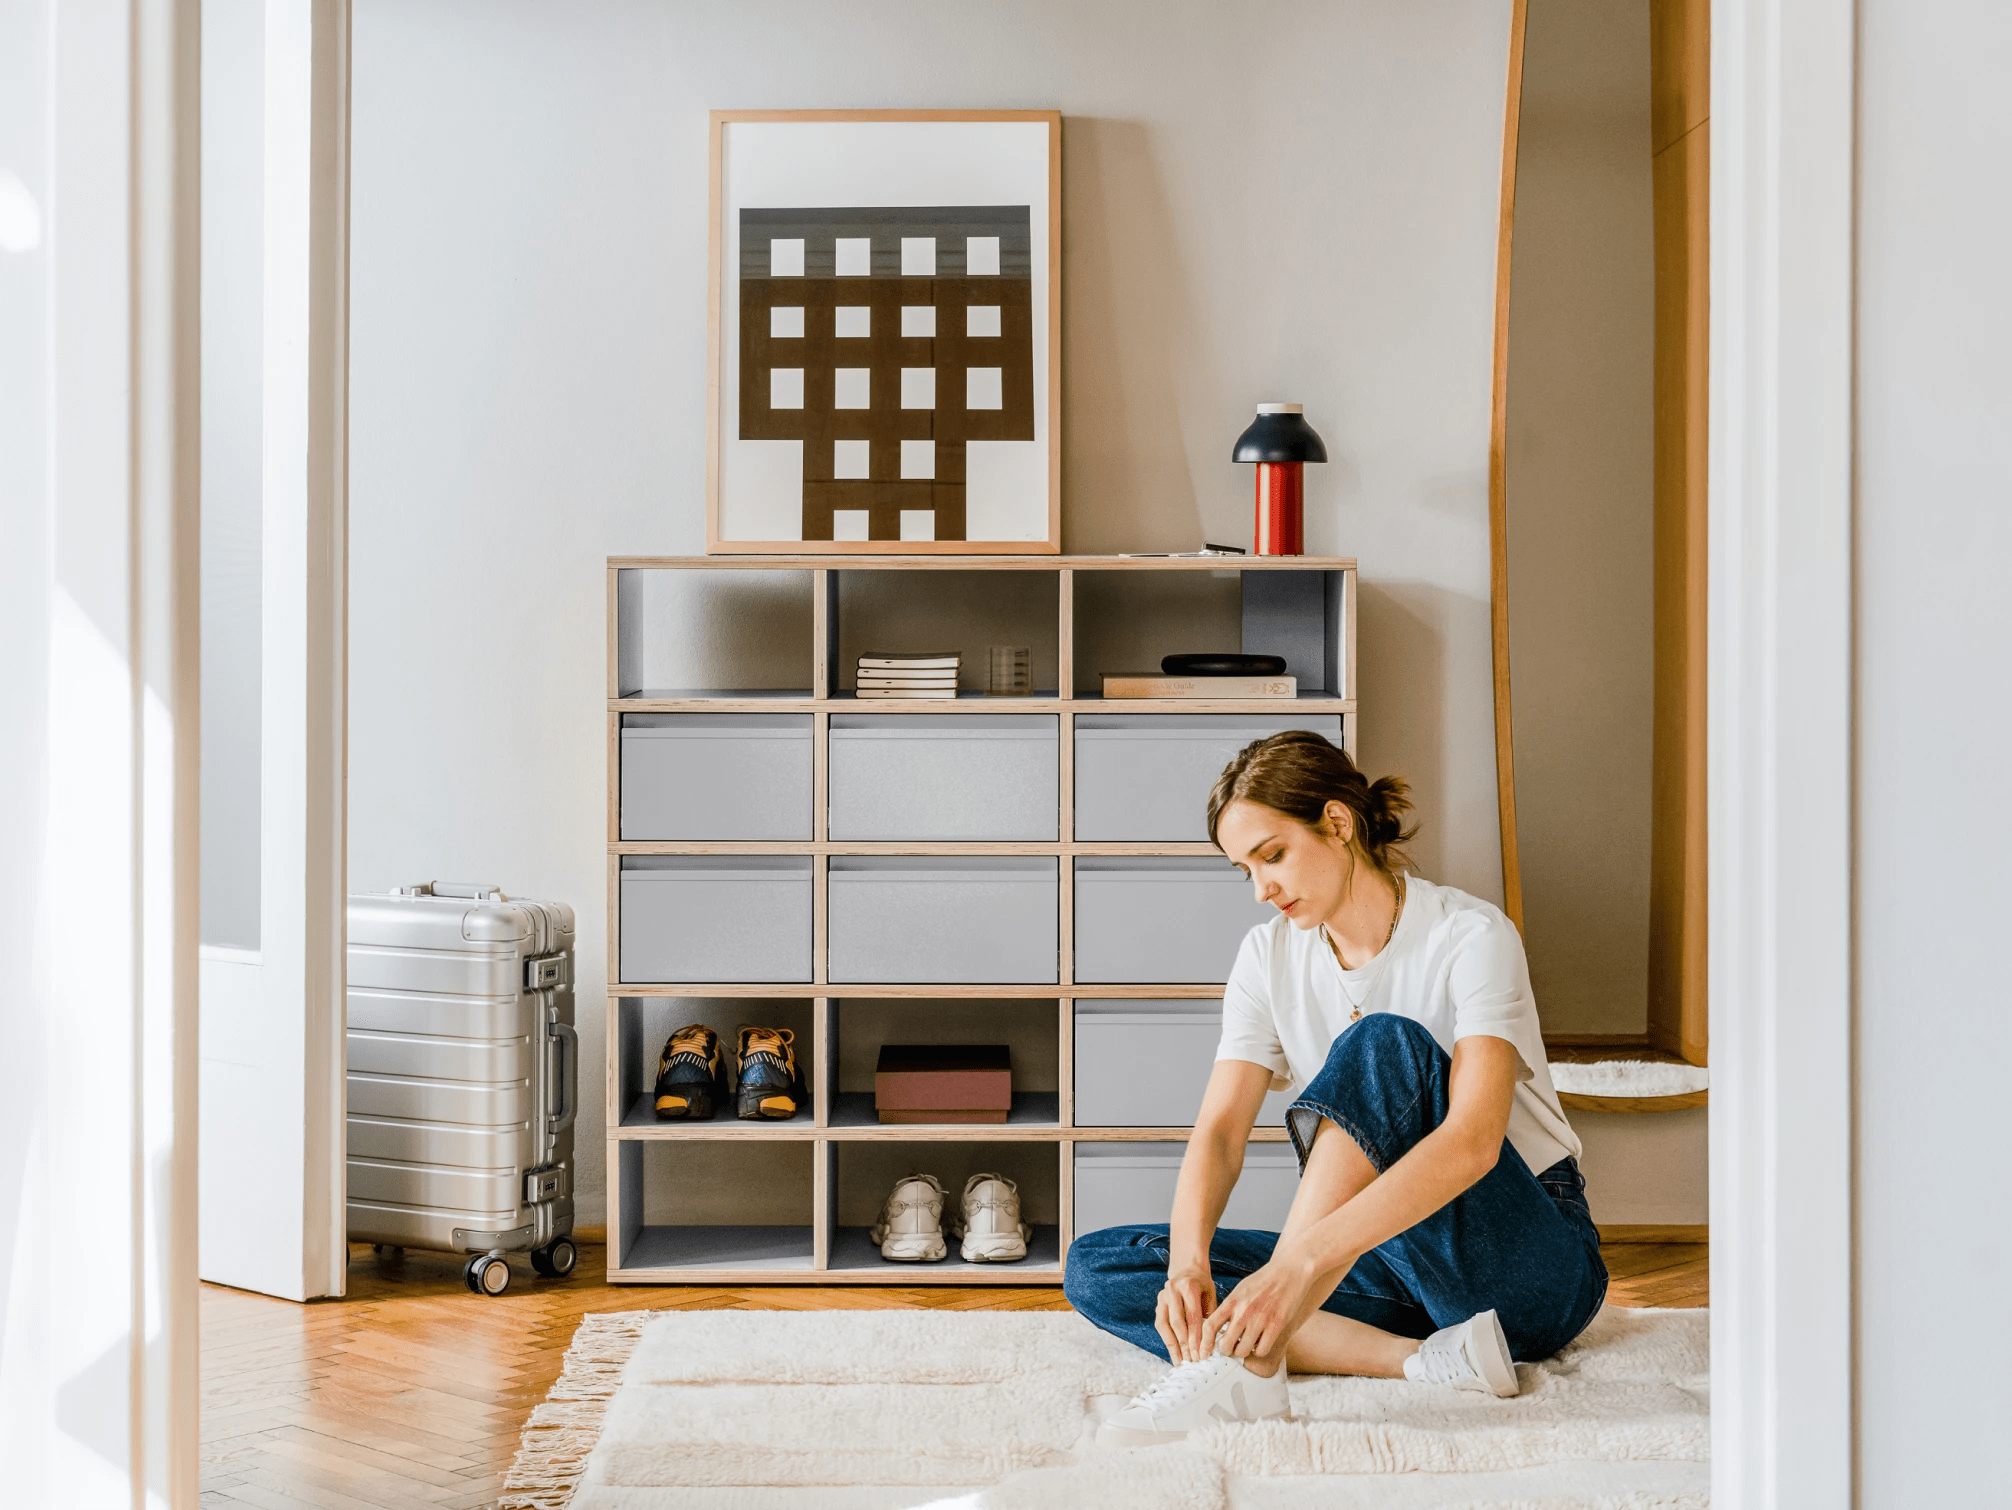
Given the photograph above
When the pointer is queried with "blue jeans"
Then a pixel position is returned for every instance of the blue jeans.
(1519, 1244)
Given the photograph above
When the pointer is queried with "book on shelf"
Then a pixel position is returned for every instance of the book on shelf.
(914, 660)
(1197, 688)
(947, 694)
(868, 679)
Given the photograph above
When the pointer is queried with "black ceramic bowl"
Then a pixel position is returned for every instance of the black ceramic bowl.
(1222, 663)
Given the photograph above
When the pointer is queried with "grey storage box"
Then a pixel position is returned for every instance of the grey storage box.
(1132, 1185)
(1146, 776)
(944, 776)
(1161, 919)
(902, 918)
(689, 918)
(1146, 1063)
(716, 776)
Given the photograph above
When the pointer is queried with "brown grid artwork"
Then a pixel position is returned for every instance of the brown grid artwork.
(810, 260)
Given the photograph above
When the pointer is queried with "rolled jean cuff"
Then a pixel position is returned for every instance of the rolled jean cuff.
(1302, 1120)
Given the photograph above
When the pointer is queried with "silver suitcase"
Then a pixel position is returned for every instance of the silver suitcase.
(463, 1077)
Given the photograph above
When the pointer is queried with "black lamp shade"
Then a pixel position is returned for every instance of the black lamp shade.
(1279, 437)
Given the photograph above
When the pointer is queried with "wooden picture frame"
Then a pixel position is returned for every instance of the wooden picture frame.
(984, 469)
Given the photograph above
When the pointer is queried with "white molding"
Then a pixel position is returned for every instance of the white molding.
(1783, 99)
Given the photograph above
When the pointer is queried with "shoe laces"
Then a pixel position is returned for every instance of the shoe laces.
(773, 1046)
(1185, 1380)
(694, 1044)
(1444, 1361)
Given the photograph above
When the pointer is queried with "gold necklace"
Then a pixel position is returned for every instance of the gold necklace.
(1396, 911)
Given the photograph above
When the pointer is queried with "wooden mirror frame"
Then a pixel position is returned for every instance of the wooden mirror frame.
(1680, 146)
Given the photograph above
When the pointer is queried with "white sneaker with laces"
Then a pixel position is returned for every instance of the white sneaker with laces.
(993, 1231)
(1196, 1395)
(1473, 1355)
(910, 1228)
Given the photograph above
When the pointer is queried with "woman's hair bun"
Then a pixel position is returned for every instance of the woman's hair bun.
(1299, 772)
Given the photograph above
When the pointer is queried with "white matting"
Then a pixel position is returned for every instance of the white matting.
(776, 1410)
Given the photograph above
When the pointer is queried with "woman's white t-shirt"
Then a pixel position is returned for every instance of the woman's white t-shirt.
(1455, 965)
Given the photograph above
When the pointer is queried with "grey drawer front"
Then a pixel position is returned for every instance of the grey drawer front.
(1132, 1184)
(716, 776)
(1146, 776)
(1146, 1063)
(435, 1015)
(944, 776)
(981, 921)
(725, 918)
(481, 1059)
(1161, 920)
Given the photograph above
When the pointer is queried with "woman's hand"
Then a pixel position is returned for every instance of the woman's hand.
(1257, 1317)
(1181, 1316)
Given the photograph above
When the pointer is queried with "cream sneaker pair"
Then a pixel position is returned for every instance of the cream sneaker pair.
(910, 1228)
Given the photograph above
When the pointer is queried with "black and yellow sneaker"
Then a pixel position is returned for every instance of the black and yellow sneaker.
(770, 1085)
(691, 1075)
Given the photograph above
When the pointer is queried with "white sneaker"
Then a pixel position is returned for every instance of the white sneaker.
(1473, 1355)
(993, 1231)
(1195, 1395)
(911, 1224)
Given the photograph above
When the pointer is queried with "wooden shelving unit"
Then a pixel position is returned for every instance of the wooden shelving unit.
(820, 1250)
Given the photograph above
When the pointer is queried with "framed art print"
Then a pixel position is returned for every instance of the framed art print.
(884, 330)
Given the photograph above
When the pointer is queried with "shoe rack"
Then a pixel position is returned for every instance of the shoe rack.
(728, 1201)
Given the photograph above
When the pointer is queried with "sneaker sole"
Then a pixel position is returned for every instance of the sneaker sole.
(910, 1250)
(698, 1108)
(757, 1108)
(1498, 1369)
(989, 1250)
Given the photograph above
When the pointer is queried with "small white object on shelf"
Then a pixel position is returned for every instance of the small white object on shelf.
(1639, 1078)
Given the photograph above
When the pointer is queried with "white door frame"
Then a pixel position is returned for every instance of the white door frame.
(274, 1060)
(1780, 772)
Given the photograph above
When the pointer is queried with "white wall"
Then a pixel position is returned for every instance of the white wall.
(1582, 511)
(1934, 1034)
(1296, 203)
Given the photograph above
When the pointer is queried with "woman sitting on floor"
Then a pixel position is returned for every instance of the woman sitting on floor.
(1440, 1229)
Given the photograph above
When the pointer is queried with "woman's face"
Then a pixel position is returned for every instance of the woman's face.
(1301, 872)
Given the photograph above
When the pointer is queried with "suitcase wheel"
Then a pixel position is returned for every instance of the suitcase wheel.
(487, 1274)
(556, 1259)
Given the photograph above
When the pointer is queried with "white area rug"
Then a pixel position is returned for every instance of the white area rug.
(1630, 1077)
(846, 1410)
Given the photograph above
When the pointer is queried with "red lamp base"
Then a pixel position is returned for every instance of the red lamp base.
(1281, 509)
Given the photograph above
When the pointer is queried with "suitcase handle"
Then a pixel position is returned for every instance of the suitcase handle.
(569, 1043)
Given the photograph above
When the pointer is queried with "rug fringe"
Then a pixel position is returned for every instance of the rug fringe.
(552, 1453)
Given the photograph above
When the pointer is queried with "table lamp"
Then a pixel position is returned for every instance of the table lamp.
(1280, 441)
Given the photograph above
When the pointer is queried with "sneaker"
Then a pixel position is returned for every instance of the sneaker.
(991, 1225)
(1473, 1355)
(769, 1083)
(691, 1075)
(1197, 1395)
(910, 1228)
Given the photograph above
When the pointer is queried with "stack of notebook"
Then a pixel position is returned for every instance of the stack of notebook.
(908, 673)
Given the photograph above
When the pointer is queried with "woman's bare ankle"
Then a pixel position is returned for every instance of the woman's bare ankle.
(1265, 1367)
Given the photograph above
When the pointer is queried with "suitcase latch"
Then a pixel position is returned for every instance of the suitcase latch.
(542, 1185)
(544, 970)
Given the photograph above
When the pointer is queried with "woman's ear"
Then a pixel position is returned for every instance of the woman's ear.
(1340, 821)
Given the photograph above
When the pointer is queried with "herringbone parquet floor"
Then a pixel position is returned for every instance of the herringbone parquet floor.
(408, 1393)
